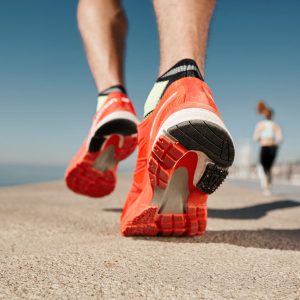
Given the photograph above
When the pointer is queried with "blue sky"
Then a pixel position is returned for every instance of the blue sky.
(47, 95)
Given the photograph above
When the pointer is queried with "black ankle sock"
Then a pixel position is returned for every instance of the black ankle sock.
(114, 88)
(184, 68)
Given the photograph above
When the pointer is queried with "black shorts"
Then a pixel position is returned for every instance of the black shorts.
(267, 157)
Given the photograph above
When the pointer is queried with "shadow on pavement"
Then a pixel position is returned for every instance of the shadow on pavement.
(280, 239)
(251, 212)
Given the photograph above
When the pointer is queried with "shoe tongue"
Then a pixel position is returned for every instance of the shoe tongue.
(102, 96)
(184, 68)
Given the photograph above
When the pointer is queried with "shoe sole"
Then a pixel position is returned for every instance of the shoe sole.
(202, 148)
(93, 175)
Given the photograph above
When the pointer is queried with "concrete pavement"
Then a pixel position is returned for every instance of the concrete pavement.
(58, 245)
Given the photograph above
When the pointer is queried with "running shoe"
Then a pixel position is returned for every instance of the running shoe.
(112, 138)
(185, 151)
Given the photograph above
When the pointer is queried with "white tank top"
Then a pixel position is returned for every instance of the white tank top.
(268, 132)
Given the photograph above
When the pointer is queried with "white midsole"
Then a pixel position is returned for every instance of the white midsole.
(189, 114)
(119, 114)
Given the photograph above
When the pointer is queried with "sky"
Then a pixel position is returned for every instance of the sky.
(47, 95)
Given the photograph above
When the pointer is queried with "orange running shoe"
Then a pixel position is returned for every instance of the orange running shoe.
(112, 137)
(184, 154)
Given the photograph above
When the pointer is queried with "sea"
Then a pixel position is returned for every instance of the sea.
(11, 174)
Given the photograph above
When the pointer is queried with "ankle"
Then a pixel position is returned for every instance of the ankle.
(167, 64)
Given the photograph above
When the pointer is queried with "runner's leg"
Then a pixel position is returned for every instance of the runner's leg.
(183, 30)
(103, 27)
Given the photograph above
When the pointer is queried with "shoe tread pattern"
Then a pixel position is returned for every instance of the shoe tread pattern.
(206, 137)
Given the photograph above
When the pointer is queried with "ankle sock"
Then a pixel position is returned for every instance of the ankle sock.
(184, 68)
(102, 96)
(115, 88)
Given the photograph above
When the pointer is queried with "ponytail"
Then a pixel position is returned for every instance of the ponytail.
(263, 110)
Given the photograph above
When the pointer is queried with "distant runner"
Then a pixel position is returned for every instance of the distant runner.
(269, 135)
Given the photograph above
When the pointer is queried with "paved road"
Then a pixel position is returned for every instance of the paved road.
(291, 191)
(57, 245)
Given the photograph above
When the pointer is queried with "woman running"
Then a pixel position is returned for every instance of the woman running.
(268, 134)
